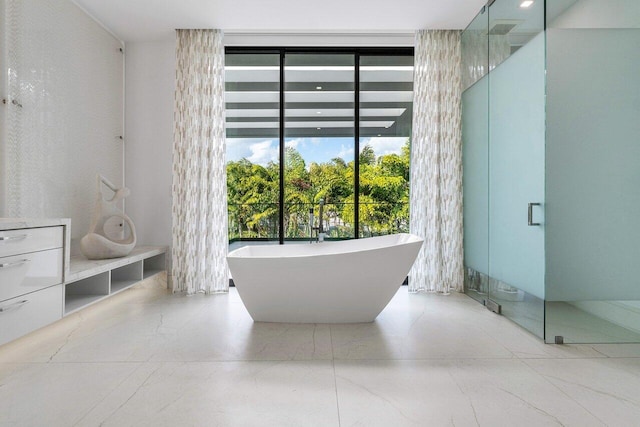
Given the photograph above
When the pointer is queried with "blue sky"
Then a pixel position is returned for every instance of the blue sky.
(261, 151)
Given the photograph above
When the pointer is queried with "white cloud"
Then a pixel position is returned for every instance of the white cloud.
(292, 143)
(346, 153)
(385, 145)
(263, 152)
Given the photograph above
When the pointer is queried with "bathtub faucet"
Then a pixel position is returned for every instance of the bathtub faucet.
(311, 227)
(320, 234)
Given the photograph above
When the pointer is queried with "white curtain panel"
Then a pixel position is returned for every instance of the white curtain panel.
(199, 174)
(436, 163)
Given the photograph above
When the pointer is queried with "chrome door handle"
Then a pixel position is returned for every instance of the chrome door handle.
(16, 237)
(530, 214)
(14, 264)
(13, 306)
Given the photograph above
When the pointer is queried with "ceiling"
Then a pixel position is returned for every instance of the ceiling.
(148, 20)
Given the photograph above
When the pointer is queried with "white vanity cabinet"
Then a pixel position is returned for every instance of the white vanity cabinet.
(31, 276)
(29, 312)
(40, 282)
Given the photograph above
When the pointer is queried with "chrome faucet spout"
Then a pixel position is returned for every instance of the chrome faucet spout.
(319, 229)
(311, 227)
(321, 222)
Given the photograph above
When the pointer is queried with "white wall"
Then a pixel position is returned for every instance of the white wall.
(64, 72)
(150, 76)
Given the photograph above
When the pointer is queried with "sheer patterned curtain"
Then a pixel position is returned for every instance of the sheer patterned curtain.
(436, 163)
(199, 175)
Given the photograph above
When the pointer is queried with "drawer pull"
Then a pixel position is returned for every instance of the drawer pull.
(16, 237)
(14, 306)
(14, 264)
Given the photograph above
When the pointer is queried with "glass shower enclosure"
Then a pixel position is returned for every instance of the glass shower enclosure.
(551, 102)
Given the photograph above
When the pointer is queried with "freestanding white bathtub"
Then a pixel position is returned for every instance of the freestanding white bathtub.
(331, 282)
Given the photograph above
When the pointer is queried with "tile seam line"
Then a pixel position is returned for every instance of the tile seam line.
(335, 379)
(113, 390)
(545, 378)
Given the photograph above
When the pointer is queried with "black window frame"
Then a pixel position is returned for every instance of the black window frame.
(357, 52)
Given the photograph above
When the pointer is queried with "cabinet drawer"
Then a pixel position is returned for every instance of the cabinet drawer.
(21, 274)
(24, 314)
(15, 242)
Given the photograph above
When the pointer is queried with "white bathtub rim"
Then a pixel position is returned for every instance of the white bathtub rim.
(411, 239)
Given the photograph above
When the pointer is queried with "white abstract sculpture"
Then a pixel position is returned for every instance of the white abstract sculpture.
(97, 244)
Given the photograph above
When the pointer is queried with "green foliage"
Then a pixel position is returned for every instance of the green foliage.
(367, 156)
(251, 191)
(384, 195)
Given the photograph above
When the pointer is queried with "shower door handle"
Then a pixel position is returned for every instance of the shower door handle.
(530, 222)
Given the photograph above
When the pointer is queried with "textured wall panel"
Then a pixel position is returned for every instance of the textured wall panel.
(3, 108)
(66, 72)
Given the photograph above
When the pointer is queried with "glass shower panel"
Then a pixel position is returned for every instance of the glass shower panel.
(512, 24)
(475, 159)
(516, 162)
(593, 80)
(475, 49)
(475, 156)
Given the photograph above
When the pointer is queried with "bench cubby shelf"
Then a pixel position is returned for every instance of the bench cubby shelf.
(90, 281)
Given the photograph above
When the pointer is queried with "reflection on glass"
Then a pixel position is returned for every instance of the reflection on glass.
(319, 144)
(583, 322)
(475, 50)
(252, 110)
(386, 100)
(511, 26)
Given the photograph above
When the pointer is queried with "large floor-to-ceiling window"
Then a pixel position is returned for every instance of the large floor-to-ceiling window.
(306, 126)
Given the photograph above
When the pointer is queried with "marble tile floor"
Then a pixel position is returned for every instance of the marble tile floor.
(149, 358)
